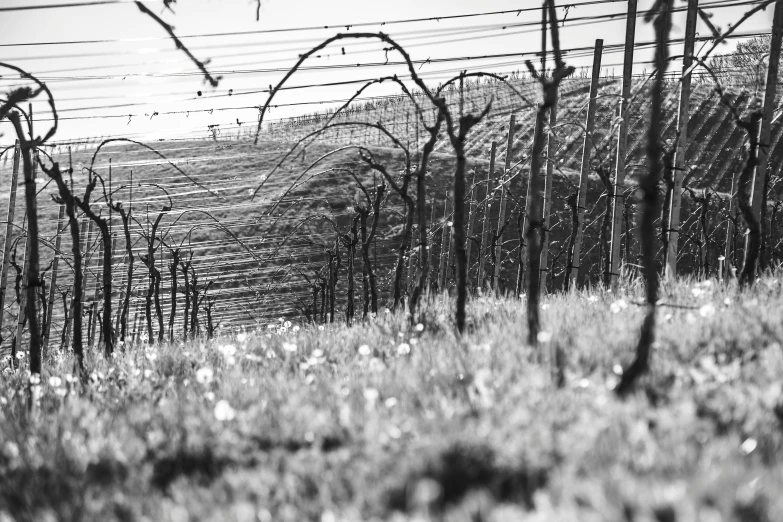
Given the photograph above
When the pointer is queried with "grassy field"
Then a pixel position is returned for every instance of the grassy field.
(393, 421)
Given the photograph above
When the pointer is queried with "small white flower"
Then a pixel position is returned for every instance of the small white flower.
(708, 310)
(419, 327)
(618, 306)
(593, 298)
(545, 306)
(210, 396)
(55, 382)
(544, 337)
(371, 394)
(321, 327)
(147, 373)
(697, 292)
(364, 350)
(289, 347)
(35, 379)
(204, 375)
(617, 369)
(295, 328)
(228, 350)
(20, 355)
(749, 446)
(287, 324)
(241, 337)
(317, 353)
(152, 356)
(223, 411)
(403, 349)
(391, 402)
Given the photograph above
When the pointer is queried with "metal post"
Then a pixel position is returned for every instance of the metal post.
(8, 232)
(682, 140)
(618, 204)
(573, 270)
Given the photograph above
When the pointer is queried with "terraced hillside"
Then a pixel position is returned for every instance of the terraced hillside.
(264, 255)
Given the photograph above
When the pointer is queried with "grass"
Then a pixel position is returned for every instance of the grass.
(387, 421)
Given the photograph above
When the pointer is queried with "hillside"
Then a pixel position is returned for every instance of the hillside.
(252, 287)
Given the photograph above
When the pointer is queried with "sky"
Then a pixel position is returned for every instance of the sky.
(128, 79)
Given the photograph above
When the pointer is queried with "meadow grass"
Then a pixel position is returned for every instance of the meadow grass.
(393, 420)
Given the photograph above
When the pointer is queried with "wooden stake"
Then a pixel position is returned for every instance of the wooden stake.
(551, 144)
(682, 140)
(471, 222)
(444, 245)
(53, 284)
(503, 204)
(618, 204)
(9, 228)
(573, 269)
(483, 251)
(765, 132)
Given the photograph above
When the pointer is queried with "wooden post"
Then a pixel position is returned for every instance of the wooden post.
(522, 278)
(551, 144)
(85, 231)
(729, 250)
(471, 224)
(431, 248)
(573, 269)
(53, 283)
(20, 314)
(503, 204)
(485, 221)
(682, 140)
(760, 176)
(444, 246)
(618, 202)
(9, 228)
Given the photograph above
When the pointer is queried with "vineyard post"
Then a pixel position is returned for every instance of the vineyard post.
(95, 299)
(444, 245)
(485, 222)
(573, 268)
(522, 224)
(760, 175)
(20, 314)
(86, 263)
(729, 250)
(8, 232)
(471, 223)
(548, 183)
(53, 283)
(503, 203)
(431, 249)
(682, 141)
(622, 145)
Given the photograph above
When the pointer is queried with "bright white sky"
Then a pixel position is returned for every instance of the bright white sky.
(129, 72)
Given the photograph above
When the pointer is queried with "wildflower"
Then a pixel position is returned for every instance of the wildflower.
(20, 355)
(241, 337)
(708, 310)
(147, 373)
(419, 327)
(55, 382)
(270, 326)
(151, 356)
(545, 306)
(287, 324)
(617, 369)
(403, 349)
(228, 350)
(62, 392)
(697, 292)
(749, 446)
(223, 411)
(391, 402)
(321, 327)
(204, 375)
(544, 337)
(35, 379)
(289, 347)
(371, 394)
(295, 329)
(210, 396)
(727, 301)
(618, 306)
(592, 299)
(317, 353)
(364, 350)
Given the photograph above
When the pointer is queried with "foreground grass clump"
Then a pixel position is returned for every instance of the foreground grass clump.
(388, 421)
